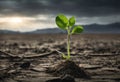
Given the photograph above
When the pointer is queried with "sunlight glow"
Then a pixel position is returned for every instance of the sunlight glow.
(15, 20)
(26, 23)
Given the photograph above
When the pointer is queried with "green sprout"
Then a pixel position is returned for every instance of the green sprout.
(68, 25)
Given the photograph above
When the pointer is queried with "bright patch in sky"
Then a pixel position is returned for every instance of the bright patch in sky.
(30, 23)
(25, 23)
(15, 20)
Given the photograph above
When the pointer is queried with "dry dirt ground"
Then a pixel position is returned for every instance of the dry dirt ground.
(98, 54)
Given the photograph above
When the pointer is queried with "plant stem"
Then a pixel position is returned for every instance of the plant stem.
(68, 43)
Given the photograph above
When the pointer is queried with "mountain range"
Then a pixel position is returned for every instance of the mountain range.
(93, 28)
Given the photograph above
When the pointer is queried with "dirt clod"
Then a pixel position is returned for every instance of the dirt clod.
(66, 78)
(25, 65)
(54, 80)
(70, 68)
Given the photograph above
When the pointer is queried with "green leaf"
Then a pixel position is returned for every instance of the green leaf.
(72, 21)
(77, 29)
(62, 21)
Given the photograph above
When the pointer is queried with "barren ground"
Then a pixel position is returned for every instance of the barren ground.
(99, 54)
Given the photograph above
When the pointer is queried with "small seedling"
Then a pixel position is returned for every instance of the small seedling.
(68, 25)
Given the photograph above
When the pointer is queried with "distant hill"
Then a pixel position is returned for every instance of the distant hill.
(93, 28)
(97, 28)
(48, 30)
(9, 32)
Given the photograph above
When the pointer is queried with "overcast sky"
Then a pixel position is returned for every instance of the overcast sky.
(40, 14)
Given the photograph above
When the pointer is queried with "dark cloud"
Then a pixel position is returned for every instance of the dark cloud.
(85, 8)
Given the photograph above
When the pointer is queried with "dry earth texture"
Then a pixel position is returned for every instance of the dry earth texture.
(25, 57)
